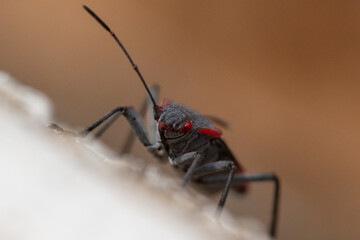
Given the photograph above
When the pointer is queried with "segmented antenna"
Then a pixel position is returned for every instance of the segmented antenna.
(102, 23)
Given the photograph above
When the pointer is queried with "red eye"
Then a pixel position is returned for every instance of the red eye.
(186, 128)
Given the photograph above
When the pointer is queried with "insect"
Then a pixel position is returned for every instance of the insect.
(189, 140)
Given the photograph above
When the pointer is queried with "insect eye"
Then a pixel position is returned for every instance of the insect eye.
(186, 127)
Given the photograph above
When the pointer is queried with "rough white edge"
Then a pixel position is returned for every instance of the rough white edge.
(59, 187)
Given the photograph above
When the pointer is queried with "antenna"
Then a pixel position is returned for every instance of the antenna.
(102, 23)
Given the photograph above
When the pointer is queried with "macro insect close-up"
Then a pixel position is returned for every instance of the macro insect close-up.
(189, 140)
(179, 119)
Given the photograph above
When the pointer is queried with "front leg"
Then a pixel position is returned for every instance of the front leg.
(146, 107)
(133, 119)
(156, 148)
(137, 125)
(131, 116)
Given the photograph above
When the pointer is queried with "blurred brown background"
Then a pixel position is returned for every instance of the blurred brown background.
(283, 73)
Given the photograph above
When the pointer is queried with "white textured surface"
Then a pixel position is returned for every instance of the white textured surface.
(58, 187)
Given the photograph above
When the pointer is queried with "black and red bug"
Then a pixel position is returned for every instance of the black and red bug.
(188, 139)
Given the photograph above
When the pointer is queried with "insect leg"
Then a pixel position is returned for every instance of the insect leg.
(130, 138)
(254, 177)
(192, 158)
(215, 168)
(152, 124)
(131, 116)
(156, 149)
(101, 131)
(145, 107)
(191, 170)
(136, 124)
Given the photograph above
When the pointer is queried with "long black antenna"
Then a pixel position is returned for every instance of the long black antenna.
(124, 50)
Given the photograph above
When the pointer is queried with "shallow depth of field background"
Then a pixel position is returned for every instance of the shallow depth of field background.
(285, 75)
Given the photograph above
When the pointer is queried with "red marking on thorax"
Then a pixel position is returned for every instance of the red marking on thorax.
(210, 133)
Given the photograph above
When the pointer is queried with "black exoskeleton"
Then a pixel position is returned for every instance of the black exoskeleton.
(189, 140)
